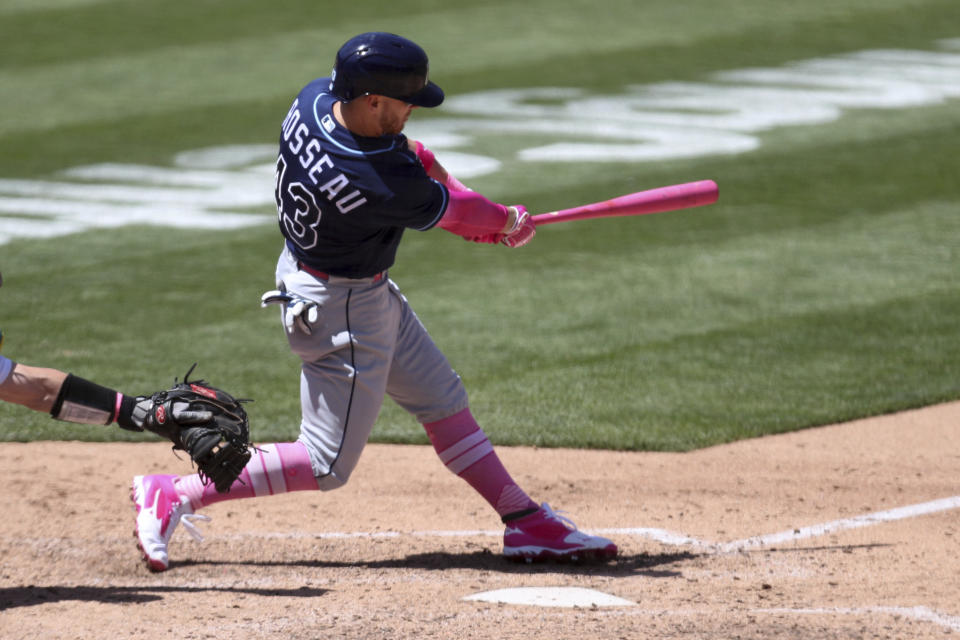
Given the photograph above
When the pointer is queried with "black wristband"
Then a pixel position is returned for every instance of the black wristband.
(125, 415)
(80, 400)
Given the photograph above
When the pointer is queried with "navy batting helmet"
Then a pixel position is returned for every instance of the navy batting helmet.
(384, 64)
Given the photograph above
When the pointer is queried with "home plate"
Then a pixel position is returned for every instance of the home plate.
(551, 597)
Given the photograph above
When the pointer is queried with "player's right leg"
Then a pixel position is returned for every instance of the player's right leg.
(423, 382)
(533, 531)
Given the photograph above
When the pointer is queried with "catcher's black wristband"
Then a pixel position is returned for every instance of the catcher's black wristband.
(125, 414)
(85, 402)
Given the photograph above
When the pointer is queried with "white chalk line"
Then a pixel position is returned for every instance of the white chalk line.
(672, 538)
(866, 520)
(663, 536)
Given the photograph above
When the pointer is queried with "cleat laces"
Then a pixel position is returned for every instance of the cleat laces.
(559, 516)
(194, 531)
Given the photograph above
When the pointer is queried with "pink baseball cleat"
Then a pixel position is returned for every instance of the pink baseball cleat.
(159, 509)
(545, 534)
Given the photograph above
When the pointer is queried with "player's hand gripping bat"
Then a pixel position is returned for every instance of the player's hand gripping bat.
(678, 196)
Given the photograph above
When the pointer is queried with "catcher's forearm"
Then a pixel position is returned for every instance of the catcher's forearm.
(85, 402)
(33, 387)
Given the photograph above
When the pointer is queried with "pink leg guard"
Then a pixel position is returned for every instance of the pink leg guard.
(466, 451)
(273, 469)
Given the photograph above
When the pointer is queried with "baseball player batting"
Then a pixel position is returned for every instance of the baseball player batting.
(348, 184)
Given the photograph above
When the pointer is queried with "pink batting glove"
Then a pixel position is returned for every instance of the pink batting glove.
(523, 230)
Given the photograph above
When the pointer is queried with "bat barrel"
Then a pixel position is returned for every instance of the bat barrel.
(670, 198)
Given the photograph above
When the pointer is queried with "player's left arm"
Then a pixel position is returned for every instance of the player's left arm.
(434, 169)
(473, 216)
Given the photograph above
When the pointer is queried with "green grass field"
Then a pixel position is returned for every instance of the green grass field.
(821, 287)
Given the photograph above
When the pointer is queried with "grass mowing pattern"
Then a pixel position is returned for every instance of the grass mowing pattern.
(821, 287)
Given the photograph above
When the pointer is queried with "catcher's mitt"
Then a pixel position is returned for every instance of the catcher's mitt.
(208, 423)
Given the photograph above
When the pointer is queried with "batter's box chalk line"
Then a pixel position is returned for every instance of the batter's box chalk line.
(662, 536)
(792, 535)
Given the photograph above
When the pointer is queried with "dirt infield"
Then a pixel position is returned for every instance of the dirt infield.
(394, 554)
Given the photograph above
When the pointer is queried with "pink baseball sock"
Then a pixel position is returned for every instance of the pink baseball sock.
(466, 451)
(273, 469)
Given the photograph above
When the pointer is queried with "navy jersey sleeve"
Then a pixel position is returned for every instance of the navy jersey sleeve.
(412, 199)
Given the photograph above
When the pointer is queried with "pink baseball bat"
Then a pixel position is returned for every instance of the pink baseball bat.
(677, 196)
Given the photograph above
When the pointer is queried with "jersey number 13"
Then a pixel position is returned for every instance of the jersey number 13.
(297, 208)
